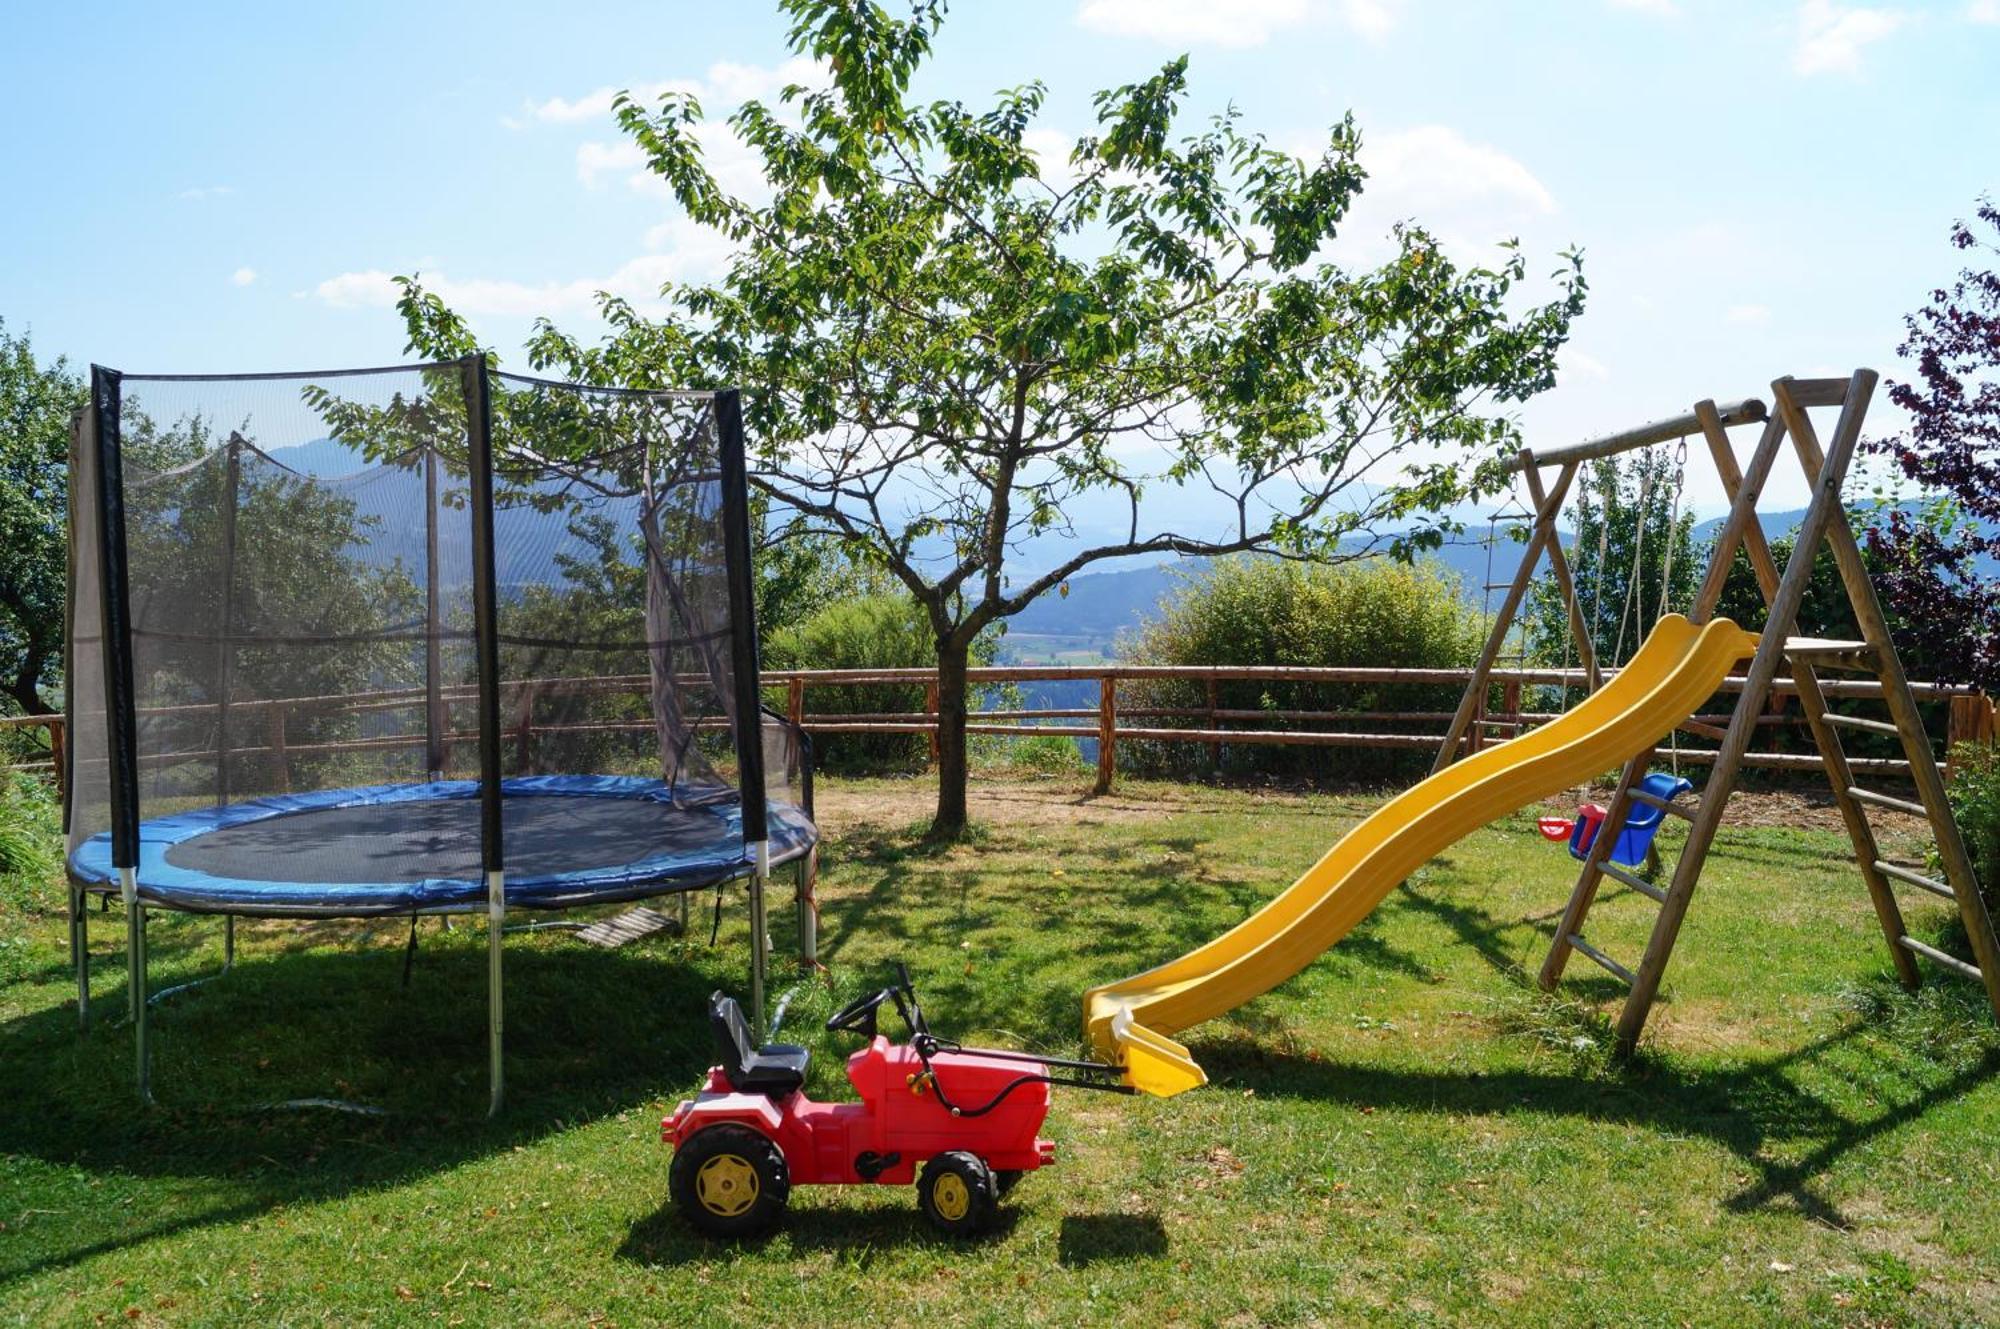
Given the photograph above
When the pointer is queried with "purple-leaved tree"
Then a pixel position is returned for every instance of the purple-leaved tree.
(1934, 562)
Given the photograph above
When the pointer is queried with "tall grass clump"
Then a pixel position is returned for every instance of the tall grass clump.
(1261, 611)
(30, 844)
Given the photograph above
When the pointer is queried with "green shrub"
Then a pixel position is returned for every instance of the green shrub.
(1042, 754)
(876, 631)
(1260, 611)
(1975, 800)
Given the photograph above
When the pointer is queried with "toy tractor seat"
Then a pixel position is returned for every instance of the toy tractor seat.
(774, 1070)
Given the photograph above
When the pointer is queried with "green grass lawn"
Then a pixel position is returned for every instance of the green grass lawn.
(1407, 1131)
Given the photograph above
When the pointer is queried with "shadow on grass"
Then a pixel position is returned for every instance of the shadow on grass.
(1765, 1111)
(663, 1239)
(590, 1033)
(1086, 1239)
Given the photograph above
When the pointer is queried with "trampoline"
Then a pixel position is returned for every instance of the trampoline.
(399, 849)
(416, 641)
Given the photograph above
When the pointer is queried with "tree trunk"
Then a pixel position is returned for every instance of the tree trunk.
(952, 656)
(24, 690)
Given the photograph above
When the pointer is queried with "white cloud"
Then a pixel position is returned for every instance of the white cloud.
(594, 160)
(1466, 193)
(1831, 36)
(207, 191)
(1051, 148)
(1751, 315)
(1580, 364)
(1222, 22)
(359, 290)
(737, 167)
(1371, 18)
(680, 250)
(243, 276)
(1662, 8)
(726, 84)
(1983, 11)
(1436, 165)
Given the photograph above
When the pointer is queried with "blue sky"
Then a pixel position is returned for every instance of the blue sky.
(1760, 188)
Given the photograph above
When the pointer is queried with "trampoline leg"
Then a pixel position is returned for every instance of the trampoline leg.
(228, 942)
(496, 921)
(135, 961)
(79, 950)
(808, 914)
(760, 941)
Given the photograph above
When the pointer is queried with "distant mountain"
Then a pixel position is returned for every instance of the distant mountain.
(1102, 607)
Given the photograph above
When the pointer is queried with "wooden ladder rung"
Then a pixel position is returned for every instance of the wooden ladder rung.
(1632, 879)
(1664, 805)
(1858, 722)
(1938, 957)
(1873, 799)
(1931, 884)
(1700, 730)
(1611, 965)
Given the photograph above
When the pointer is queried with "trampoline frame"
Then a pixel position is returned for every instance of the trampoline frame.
(98, 428)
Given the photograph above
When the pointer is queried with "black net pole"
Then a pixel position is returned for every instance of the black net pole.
(434, 713)
(749, 718)
(225, 650)
(120, 718)
(120, 707)
(68, 773)
(485, 604)
(486, 631)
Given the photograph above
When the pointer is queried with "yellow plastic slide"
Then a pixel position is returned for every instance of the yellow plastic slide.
(1679, 667)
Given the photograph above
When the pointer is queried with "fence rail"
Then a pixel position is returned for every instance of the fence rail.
(1969, 714)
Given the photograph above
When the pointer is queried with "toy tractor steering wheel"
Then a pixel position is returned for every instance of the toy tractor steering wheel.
(858, 1016)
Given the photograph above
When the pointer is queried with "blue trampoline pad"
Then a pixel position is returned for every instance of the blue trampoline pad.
(395, 849)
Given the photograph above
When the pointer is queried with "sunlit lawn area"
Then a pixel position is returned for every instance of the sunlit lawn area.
(1406, 1132)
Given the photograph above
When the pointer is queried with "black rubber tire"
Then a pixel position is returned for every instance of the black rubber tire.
(957, 1194)
(1005, 1181)
(756, 1152)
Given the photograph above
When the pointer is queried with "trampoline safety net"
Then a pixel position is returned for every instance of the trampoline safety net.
(283, 699)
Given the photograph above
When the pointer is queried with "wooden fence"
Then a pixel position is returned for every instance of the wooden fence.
(1969, 715)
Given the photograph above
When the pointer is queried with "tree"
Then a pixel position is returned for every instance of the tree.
(280, 587)
(1633, 560)
(953, 345)
(36, 403)
(1934, 561)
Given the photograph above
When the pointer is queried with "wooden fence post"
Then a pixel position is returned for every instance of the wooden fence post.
(795, 701)
(1510, 706)
(56, 741)
(1970, 719)
(1107, 732)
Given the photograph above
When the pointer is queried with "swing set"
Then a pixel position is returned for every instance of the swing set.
(1643, 798)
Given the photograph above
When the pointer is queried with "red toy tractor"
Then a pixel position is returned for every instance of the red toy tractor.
(969, 1116)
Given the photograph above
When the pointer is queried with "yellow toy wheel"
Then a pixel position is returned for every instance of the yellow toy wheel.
(730, 1181)
(957, 1193)
(726, 1185)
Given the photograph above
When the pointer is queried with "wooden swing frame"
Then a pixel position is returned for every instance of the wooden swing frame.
(1825, 521)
